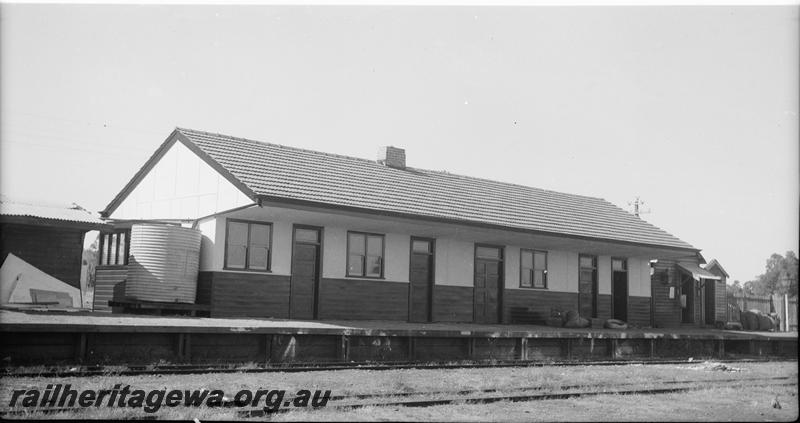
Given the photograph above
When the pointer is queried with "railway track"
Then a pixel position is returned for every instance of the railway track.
(518, 398)
(487, 396)
(135, 370)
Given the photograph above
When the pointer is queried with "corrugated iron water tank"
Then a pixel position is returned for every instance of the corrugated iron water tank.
(163, 263)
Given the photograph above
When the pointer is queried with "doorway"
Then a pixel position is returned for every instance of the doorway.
(619, 288)
(304, 284)
(587, 286)
(710, 310)
(487, 292)
(687, 291)
(421, 280)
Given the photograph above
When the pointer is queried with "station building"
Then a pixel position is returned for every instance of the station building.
(293, 233)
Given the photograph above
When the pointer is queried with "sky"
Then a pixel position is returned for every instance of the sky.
(694, 109)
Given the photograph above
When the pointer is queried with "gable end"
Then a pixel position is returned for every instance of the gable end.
(175, 136)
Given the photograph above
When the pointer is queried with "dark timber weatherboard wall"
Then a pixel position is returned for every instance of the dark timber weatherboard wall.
(539, 302)
(639, 311)
(264, 295)
(235, 294)
(55, 251)
(605, 307)
(363, 300)
(452, 303)
(666, 311)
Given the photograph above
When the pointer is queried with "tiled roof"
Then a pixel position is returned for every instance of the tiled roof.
(277, 171)
(73, 213)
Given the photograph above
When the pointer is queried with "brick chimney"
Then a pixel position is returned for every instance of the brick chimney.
(392, 157)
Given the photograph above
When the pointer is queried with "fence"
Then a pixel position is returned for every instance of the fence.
(767, 304)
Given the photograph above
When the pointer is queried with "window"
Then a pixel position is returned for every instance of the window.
(306, 235)
(588, 266)
(247, 245)
(114, 248)
(533, 269)
(364, 255)
(421, 246)
(619, 265)
(491, 253)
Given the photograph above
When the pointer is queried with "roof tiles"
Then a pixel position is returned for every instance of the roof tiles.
(297, 174)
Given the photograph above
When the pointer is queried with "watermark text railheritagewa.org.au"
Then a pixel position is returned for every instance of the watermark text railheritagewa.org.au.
(59, 396)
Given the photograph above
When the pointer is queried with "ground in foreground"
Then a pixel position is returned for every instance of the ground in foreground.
(732, 392)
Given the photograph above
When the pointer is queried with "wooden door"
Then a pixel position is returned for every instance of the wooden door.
(710, 303)
(687, 289)
(305, 274)
(587, 287)
(620, 288)
(488, 285)
(421, 280)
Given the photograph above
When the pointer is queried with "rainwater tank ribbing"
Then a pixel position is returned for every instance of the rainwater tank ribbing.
(163, 263)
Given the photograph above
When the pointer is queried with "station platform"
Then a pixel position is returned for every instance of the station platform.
(31, 336)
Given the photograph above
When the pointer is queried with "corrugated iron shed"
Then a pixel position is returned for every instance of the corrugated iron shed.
(48, 215)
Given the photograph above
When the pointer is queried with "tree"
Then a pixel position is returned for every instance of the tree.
(89, 259)
(735, 289)
(779, 277)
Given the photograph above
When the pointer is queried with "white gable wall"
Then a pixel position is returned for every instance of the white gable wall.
(180, 186)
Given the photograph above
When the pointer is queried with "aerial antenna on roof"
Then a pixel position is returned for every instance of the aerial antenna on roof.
(637, 207)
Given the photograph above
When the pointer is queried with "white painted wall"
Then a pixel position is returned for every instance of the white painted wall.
(511, 269)
(603, 275)
(208, 259)
(282, 248)
(281, 254)
(180, 186)
(334, 254)
(570, 260)
(560, 276)
(455, 263)
(396, 255)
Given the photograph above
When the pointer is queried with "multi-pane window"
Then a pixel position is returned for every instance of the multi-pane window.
(588, 265)
(533, 269)
(364, 255)
(248, 245)
(619, 265)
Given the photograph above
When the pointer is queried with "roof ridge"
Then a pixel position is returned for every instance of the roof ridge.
(288, 147)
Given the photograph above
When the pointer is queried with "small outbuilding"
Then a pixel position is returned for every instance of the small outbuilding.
(45, 243)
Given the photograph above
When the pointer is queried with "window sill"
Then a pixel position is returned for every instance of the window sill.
(370, 278)
(534, 288)
(246, 270)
